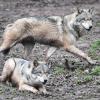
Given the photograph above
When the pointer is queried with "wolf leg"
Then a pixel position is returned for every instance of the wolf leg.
(6, 45)
(27, 87)
(50, 51)
(43, 90)
(76, 51)
(7, 70)
(27, 49)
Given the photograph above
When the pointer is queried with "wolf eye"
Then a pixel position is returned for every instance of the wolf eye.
(83, 19)
(91, 19)
(37, 73)
(46, 73)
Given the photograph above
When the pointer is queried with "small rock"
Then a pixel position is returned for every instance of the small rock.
(86, 71)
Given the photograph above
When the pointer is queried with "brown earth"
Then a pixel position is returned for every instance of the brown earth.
(61, 86)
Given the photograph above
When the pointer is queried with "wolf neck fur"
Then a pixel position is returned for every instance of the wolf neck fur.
(69, 26)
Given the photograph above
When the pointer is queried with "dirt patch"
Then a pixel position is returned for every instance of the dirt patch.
(63, 86)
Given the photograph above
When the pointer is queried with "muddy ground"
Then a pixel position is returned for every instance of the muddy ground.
(63, 84)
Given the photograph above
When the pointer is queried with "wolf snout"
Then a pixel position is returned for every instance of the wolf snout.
(90, 27)
(45, 81)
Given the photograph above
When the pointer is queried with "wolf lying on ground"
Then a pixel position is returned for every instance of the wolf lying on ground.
(26, 75)
(56, 31)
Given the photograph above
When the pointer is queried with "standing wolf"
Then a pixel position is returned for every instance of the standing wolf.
(55, 31)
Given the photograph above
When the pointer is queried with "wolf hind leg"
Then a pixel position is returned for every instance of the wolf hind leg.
(7, 70)
(6, 45)
(76, 51)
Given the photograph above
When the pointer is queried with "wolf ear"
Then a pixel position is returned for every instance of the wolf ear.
(78, 10)
(91, 10)
(49, 65)
(35, 62)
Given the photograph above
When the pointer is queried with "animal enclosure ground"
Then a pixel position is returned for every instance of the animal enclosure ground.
(63, 85)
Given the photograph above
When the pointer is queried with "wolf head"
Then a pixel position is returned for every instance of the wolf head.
(84, 18)
(40, 72)
(78, 22)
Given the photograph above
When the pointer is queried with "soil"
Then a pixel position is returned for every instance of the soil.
(61, 86)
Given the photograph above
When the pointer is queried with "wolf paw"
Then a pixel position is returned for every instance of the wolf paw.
(35, 91)
(46, 94)
(97, 63)
(92, 62)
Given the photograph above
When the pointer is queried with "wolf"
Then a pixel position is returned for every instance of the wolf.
(55, 31)
(26, 75)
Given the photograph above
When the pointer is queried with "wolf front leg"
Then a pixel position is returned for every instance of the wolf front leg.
(43, 90)
(76, 51)
(24, 86)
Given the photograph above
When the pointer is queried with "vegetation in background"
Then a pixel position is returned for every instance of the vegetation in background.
(98, 23)
(95, 47)
(59, 70)
(84, 79)
(95, 71)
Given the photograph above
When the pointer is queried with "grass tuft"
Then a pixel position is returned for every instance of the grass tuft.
(95, 71)
(85, 79)
(58, 70)
(94, 50)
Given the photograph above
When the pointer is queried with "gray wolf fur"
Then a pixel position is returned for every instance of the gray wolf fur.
(56, 31)
(26, 75)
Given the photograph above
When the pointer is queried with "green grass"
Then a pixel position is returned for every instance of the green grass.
(98, 23)
(58, 70)
(84, 79)
(95, 71)
(95, 47)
